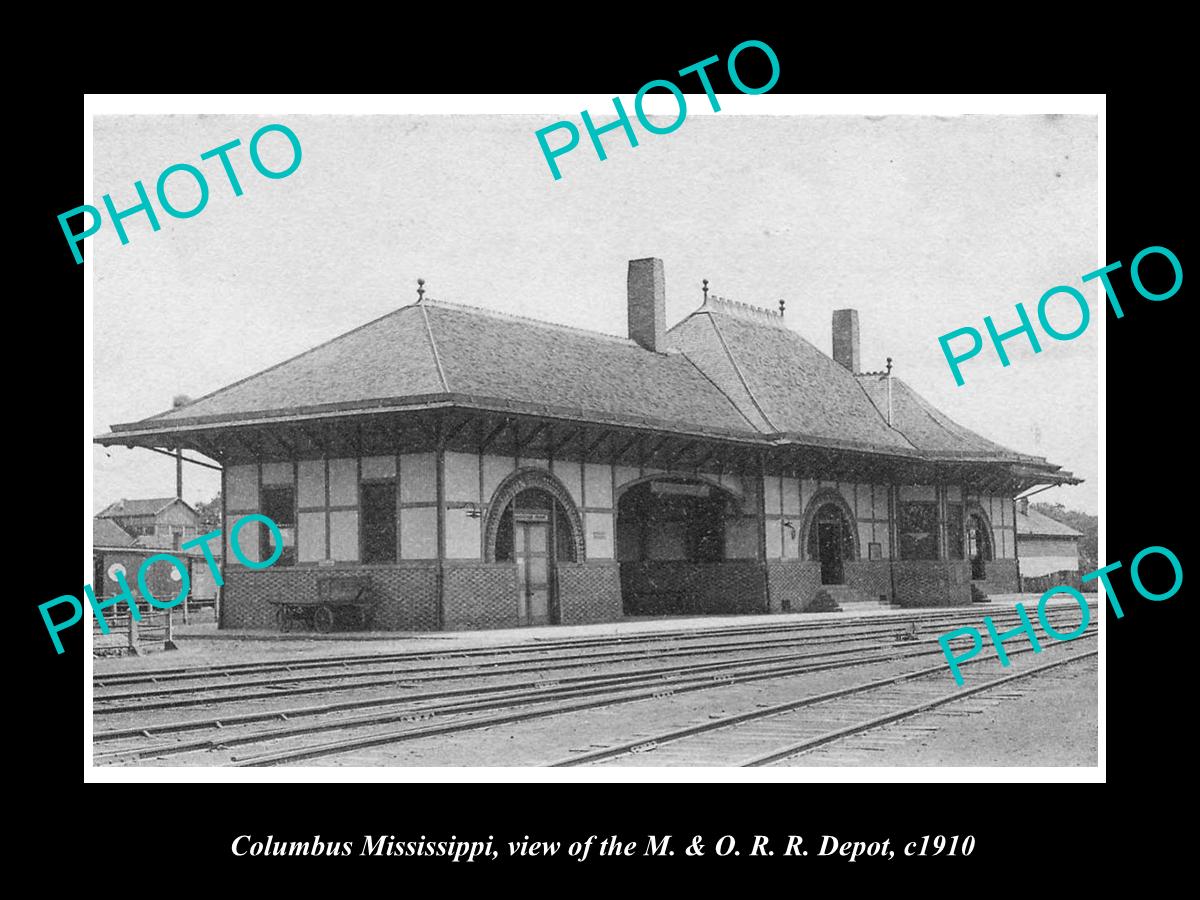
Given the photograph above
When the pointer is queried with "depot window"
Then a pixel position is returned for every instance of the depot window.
(279, 505)
(378, 522)
(918, 527)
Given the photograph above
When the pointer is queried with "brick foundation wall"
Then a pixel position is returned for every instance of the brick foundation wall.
(1039, 584)
(792, 584)
(871, 578)
(932, 582)
(1002, 577)
(676, 587)
(481, 595)
(589, 592)
(408, 594)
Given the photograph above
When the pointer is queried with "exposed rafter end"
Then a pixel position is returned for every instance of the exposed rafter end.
(171, 454)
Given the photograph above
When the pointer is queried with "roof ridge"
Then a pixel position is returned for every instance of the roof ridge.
(746, 311)
(740, 374)
(437, 357)
(920, 405)
(721, 391)
(163, 502)
(879, 412)
(281, 363)
(515, 317)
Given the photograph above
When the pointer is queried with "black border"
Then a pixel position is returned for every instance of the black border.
(1148, 438)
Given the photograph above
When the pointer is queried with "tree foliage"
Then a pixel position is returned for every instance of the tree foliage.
(210, 513)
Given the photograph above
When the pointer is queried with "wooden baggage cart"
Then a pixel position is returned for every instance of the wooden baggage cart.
(343, 603)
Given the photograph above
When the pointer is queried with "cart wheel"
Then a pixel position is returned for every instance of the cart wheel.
(282, 619)
(323, 619)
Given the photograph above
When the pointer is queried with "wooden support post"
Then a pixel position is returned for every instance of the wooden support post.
(761, 511)
(218, 607)
(440, 474)
(939, 493)
(894, 534)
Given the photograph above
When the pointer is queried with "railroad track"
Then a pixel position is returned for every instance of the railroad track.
(649, 673)
(473, 708)
(352, 679)
(725, 741)
(524, 673)
(364, 674)
(570, 645)
(409, 708)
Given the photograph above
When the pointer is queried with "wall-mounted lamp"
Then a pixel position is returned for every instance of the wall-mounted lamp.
(791, 529)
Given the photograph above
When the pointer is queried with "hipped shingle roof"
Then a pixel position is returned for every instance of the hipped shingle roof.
(435, 348)
(728, 369)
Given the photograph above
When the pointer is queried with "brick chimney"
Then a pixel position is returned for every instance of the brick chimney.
(647, 290)
(845, 339)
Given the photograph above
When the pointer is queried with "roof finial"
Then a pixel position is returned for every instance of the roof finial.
(888, 377)
(782, 304)
(420, 289)
(705, 290)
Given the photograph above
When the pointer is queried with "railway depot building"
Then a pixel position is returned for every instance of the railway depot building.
(486, 470)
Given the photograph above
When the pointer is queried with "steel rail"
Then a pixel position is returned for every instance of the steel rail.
(646, 743)
(207, 695)
(802, 746)
(357, 743)
(192, 672)
(465, 699)
(501, 668)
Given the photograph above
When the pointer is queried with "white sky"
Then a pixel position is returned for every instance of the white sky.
(924, 224)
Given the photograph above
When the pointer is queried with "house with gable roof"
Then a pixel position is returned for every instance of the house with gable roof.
(164, 522)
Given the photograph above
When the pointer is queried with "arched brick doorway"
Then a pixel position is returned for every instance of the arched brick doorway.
(830, 534)
(979, 542)
(533, 523)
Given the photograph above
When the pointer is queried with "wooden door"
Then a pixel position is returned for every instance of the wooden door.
(531, 548)
(829, 542)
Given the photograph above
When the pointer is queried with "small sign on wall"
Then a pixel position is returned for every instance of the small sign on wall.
(599, 535)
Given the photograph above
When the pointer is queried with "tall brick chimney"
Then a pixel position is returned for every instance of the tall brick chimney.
(845, 339)
(647, 289)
